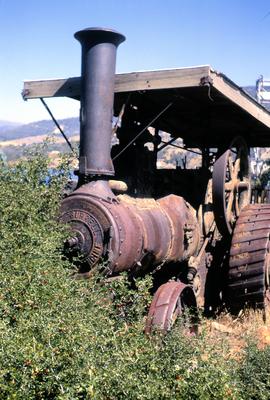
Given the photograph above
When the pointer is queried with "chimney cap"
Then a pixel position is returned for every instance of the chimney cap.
(99, 35)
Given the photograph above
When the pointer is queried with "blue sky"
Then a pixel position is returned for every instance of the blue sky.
(36, 42)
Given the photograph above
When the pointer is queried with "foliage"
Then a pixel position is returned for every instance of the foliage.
(255, 373)
(68, 339)
(262, 180)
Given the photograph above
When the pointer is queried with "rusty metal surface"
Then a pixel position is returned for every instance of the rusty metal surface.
(176, 210)
(248, 280)
(130, 242)
(156, 228)
(97, 94)
(118, 186)
(170, 301)
(124, 231)
(161, 226)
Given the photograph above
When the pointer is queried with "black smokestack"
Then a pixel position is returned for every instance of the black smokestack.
(97, 93)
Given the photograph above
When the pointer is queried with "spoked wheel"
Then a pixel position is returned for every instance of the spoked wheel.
(170, 301)
(231, 185)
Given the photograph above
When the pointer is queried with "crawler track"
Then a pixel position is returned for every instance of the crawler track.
(248, 278)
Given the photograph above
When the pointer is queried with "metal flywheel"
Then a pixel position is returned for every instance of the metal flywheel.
(231, 185)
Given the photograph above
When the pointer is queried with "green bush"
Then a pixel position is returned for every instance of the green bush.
(254, 373)
(68, 339)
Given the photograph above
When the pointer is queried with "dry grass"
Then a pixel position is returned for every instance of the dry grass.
(34, 140)
(238, 332)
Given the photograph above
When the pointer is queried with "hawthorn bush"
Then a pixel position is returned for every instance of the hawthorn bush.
(68, 339)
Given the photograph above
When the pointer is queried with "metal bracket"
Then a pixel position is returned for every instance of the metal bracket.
(25, 93)
(206, 81)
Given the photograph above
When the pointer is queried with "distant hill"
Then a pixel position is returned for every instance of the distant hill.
(7, 125)
(10, 131)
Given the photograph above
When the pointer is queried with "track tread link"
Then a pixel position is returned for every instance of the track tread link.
(249, 257)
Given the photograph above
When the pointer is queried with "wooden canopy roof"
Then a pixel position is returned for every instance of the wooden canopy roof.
(203, 106)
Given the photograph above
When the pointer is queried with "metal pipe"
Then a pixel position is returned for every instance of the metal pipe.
(97, 94)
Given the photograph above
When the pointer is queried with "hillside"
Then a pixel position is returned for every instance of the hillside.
(7, 125)
(15, 139)
(9, 131)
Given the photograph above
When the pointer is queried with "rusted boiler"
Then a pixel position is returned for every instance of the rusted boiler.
(193, 228)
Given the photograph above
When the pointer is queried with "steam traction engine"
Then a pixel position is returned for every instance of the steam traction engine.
(193, 228)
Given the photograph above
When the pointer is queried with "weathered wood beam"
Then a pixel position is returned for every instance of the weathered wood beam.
(235, 94)
(134, 81)
(52, 88)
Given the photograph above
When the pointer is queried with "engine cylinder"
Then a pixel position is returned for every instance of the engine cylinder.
(128, 233)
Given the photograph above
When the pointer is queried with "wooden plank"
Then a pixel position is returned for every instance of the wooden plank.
(51, 88)
(166, 79)
(234, 93)
(134, 81)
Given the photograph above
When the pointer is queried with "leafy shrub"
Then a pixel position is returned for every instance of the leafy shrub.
(66, 339)
(254, 373)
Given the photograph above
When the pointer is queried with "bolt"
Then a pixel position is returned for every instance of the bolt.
(72, 241)
(191, 274)
(190, 277)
